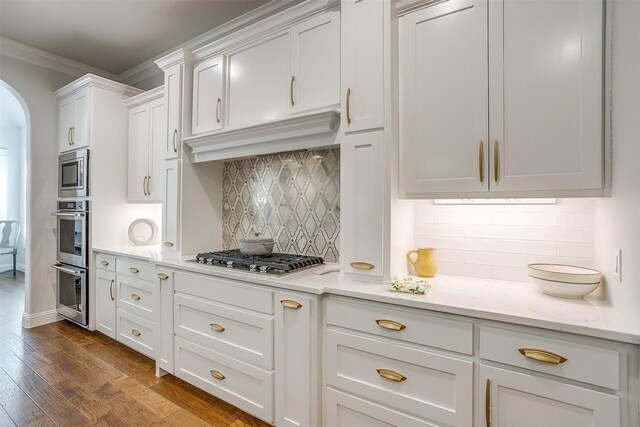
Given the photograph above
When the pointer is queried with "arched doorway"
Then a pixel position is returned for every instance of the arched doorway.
(14, 146)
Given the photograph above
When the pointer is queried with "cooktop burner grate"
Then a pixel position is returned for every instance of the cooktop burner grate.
(275, 263)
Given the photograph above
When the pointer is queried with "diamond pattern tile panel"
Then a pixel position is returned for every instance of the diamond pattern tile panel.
(292, 197)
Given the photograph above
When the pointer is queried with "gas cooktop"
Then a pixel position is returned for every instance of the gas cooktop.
(271, 264)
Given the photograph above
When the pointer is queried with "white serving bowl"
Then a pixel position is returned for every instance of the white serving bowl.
(564, 281)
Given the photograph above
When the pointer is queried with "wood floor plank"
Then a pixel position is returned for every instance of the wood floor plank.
(184, 418)
(125, 411)
(42, 422)
(249, 420)
(127, 361)
(12, 364)
(92, 406)
(52, 403)
(5, 419)
(53, 374)
(16, 403)
(75, 333)
(146, 397)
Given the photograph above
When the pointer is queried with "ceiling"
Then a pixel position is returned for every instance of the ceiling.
(114, 35)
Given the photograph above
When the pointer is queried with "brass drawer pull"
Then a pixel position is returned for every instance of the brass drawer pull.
(542, 356)
(69, 136)
(163, 276)
(111, 290)
(136, 332)
(168, 244)
(134, 270)
(73, 135)
(348, 106)
(289, 303)
(481, 161)
(218, 103)
(148, 185)
(293, 79)
(391, 375)
(487, 403)
(105, 263)
(362, 265)
(144, 186)
(135, 297)
(392, 325)
(217, 374)
(175, 136)
(216, 327)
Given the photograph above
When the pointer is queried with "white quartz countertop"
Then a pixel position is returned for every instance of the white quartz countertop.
(513, 302)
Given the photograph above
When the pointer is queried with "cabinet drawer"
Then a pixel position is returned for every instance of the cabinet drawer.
(585, 363)
(229, 330)
(106, 262)
(247, 387)
(226, 291)
(136, 268)
(344, 410)
(409, 379)
(412, 326)
(136, 333)
(137, 297)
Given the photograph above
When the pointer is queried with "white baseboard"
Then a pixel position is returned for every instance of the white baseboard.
(9, 267)
(39, 319)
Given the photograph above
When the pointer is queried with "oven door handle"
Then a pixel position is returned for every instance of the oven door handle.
(67, 270)
(70, 214)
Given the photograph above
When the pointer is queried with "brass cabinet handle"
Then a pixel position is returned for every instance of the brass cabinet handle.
(481, 161)
(392, 325)
(105, 263)
(134, 270)
(175, 136)
(362, 265)
(111, 290)
(136, 332)
(496, 159)
(391, 375)
(218, 103)
(135, 297)
(349, 106)
(217, 374)
(168, 244)
(144, 185)
(149, 185)
(216, 327)
(487, 403)
(542, 356)
(72, 129)
(293, 79)
(163, 276)
(69, 136)
(289, 303)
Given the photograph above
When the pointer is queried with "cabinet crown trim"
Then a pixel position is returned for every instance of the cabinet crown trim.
(294, 133)
(91, 80)
(144, 97)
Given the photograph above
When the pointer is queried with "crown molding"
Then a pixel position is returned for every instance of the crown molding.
(90, 80)
(180, 56)
(144, 97)
(48, 60)
(150, 68)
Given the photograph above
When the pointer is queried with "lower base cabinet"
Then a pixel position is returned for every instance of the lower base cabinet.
(137, 333)
(106, 302)
(517, 399)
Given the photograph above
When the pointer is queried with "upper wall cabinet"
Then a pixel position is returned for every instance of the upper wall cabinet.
(362, 65)
(530, 123)
(315, 63)
(208, 88)
(74, 121)
(171, 145)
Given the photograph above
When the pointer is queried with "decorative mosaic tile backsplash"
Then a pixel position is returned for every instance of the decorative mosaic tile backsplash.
(292, 197)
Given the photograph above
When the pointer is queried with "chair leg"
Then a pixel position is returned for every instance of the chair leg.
(14, 264)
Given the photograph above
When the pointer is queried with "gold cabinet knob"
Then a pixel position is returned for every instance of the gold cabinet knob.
(392, 325)
(216, 327)
(362, 265)
(542, 356)
(168, 244)
(163, 276)
(134, 270)
(105, 263)
(136, 332)
(289, 303)
(391, 375)
(217, 374)
(135, 297)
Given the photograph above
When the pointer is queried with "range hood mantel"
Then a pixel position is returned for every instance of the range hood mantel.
(307, 131)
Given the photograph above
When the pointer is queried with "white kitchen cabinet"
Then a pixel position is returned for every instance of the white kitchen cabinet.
(546, 95)
(173, 91)
(208, 96)
(502, 101)
(258, 82)
(362, 209)
(171, 206)
(362, 64)
(315, 63)
(444, 104)
(147, 126)
(297, 368)
(106, 302)
(518, 399)
(164, 357)
(74, 121)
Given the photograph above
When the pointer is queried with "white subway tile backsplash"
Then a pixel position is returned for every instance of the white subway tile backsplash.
(498, 241)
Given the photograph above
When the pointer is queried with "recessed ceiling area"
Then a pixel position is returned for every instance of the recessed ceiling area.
(114, 35)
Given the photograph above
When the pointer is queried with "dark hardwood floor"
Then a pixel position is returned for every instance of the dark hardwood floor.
(63, 375)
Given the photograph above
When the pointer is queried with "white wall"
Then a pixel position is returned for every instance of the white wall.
(36, 85)
(499, 241)
(12, 139)
(618, 218)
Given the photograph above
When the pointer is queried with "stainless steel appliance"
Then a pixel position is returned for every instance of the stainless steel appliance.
(73, 174)
(72, 289)
(73, 231)
(271, 264)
